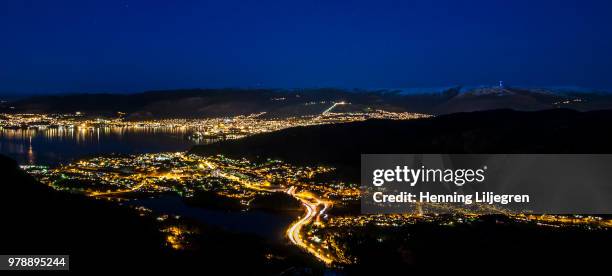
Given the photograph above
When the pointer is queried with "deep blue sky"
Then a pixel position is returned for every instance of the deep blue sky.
(123, 46)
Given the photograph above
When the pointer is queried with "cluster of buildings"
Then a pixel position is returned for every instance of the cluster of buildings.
(199, 129)
(179, 172)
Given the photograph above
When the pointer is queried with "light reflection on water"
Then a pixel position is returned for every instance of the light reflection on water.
(60, 145)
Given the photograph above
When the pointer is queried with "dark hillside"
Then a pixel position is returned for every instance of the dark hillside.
(496, 131)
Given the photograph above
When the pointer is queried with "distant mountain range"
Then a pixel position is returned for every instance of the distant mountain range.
(296, 102)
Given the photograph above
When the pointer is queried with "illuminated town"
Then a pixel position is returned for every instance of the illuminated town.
(316, 231)
(198, 130)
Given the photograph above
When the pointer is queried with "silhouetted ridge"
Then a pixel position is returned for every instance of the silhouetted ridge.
(496, 131)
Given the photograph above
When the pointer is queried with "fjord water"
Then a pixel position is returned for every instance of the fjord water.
(55, 146)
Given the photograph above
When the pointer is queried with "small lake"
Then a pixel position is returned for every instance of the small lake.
(271, 226)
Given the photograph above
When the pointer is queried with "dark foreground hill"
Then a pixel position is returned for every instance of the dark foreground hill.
(38, 220)
(103, 236)
(496, 131)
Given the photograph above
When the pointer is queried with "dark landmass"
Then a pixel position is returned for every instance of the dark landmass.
(496, 131)
(274, 202)
(277, 202)
(38, 220)
(490, 243)
(284, 103)
(210, 199)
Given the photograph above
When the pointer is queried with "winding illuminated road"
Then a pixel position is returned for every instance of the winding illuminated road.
(309, 200)
(311, 203)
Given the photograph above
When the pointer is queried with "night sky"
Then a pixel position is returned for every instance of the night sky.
(127, 46)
